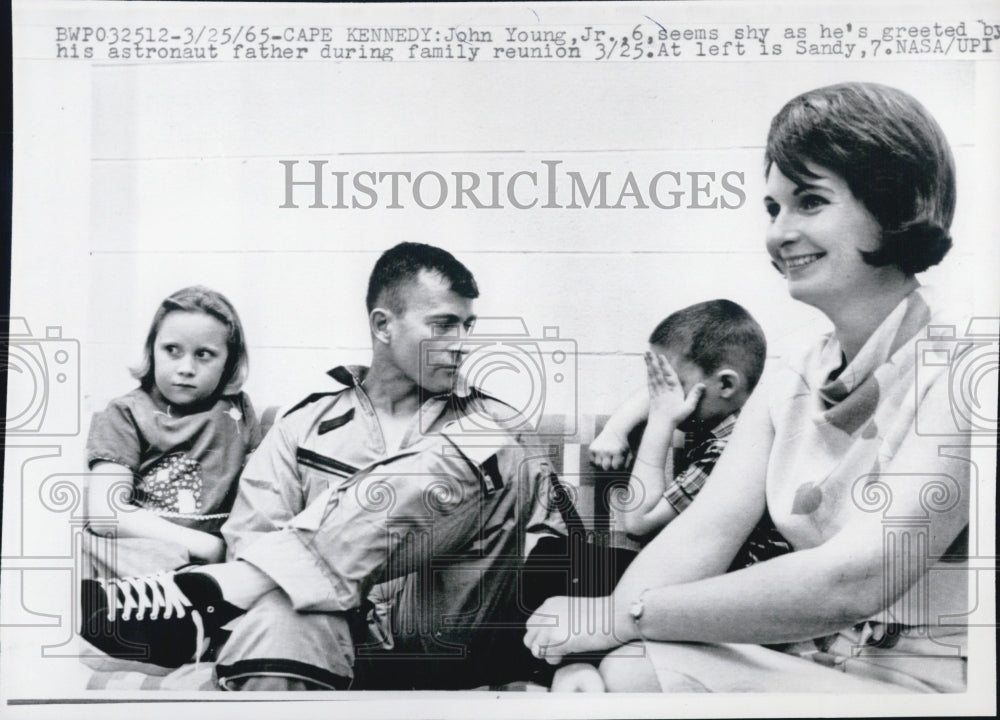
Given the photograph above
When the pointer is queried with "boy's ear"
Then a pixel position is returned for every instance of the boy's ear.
(730, 382)
(379, 321)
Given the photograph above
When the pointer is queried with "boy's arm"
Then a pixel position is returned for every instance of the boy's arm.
(676, 492)
(668, 407)
(648, 511)
(609, 450)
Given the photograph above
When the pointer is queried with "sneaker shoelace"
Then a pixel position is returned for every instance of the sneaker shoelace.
(151, 593)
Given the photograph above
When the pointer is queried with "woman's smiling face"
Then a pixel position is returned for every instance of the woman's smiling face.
(817, 232)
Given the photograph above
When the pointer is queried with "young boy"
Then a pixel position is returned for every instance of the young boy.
(702, 364)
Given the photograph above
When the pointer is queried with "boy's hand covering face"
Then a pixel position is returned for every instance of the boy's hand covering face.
(668, 402)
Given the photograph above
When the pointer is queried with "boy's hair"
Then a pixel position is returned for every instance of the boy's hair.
(714, 334)
(401, 265)
(890, 152)
(198, 298)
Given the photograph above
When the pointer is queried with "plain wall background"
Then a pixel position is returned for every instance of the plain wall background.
(186, 184)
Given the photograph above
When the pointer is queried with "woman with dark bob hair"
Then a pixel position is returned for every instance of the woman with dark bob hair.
(851, 446)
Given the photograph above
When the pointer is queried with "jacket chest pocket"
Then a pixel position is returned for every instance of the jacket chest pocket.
(320, 472)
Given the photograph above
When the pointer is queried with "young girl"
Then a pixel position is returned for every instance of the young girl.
(165, 458)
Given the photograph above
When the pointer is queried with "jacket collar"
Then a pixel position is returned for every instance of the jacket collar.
(353, 375)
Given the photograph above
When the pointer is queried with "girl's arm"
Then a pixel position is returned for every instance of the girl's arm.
(108, 481)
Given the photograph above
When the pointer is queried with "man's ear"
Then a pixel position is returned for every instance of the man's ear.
(380, 321)
(729, 381)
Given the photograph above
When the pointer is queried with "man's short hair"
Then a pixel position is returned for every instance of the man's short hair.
(400, 266)
(891, 153)
(715, 334)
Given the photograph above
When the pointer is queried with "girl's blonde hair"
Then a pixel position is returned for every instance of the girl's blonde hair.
(198, 298)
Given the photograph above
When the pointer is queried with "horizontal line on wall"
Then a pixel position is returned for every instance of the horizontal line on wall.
(463, 252)
(311, 348)
(383, 153)
(333, 349)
